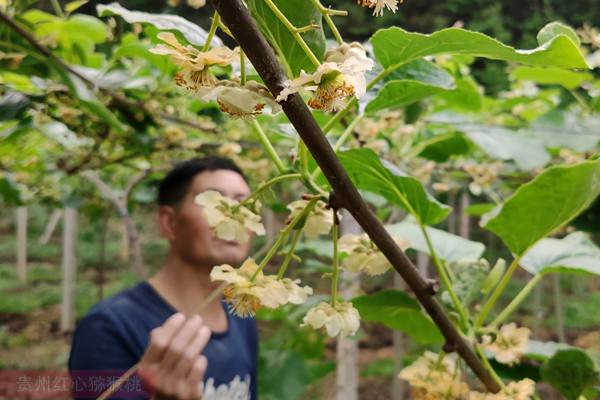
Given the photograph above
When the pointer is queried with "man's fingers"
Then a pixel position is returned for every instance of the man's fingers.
(192, 351)
(180, 342)
(161, 337)
(196, 374)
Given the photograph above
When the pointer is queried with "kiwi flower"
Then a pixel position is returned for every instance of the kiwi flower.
(247, 290)
(341, 75)
(229, 219)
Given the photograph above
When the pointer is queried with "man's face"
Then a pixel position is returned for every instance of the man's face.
(193, 239)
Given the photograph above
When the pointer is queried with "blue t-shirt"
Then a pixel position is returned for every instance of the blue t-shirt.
(115, 333)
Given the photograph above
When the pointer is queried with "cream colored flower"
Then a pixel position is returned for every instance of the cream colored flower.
(483, 175)
(518, 390)
(229, 149)
(318, 222)
(433, 376)
(341, 320)
(364, 256)
(240, 101)
(194, 64)
(229, 220)
(509, 345)
(380, 5)
(246, 295)
(196, 3)
(341, 75)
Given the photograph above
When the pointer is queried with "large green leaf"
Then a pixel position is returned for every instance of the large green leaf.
(370, 173)
(447, 246)
(399, 93)
(395, 46)
(571, 372)
(398, 311)
(546, 203)
(551, 76)
(574, 253)
(528, 152)
(300, 13)
(190, 31)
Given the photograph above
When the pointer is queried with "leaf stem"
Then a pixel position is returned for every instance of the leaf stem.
(268, 146)
(516, 301)
(242, 68)
(290, 254)
(57, 9)
(336, 273)
(464, 321)
(213, 29)
(283, 234)
(294, 31)
(497, 292)
(267, 185)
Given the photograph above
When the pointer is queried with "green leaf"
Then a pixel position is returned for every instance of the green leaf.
(528, 152)
(394, 46)
(447, 246)
(423, 71)
(541, 351)
(300, 13)
(441, 148)
(74, 5)
(398, 311)
(12, 105)
(574, 253)
(80, 25)
(571, 372)
(477, 210)
(190, 31)
(369, 172)
(551, 76)
(90, 102)
(541, 206)
(553, 29)
(62, 134)
(399, 93)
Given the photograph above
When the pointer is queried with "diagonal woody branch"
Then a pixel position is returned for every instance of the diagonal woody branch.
(237, 18)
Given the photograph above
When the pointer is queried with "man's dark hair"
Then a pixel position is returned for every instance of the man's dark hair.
(176, 183)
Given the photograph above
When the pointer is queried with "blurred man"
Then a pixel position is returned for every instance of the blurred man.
(181, 357)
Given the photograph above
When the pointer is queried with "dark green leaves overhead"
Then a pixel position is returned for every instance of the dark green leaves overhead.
(368, 172)
(302, 13)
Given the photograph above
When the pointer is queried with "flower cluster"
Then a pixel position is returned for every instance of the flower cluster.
(318, 222)
(195, 76)
(229, 219)
(483, 175)
(434, 376)
(364, 256)
(338, 321)
(379, 5)
(341, 75)
(509, 344)
(518, 390)
(248, 288)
